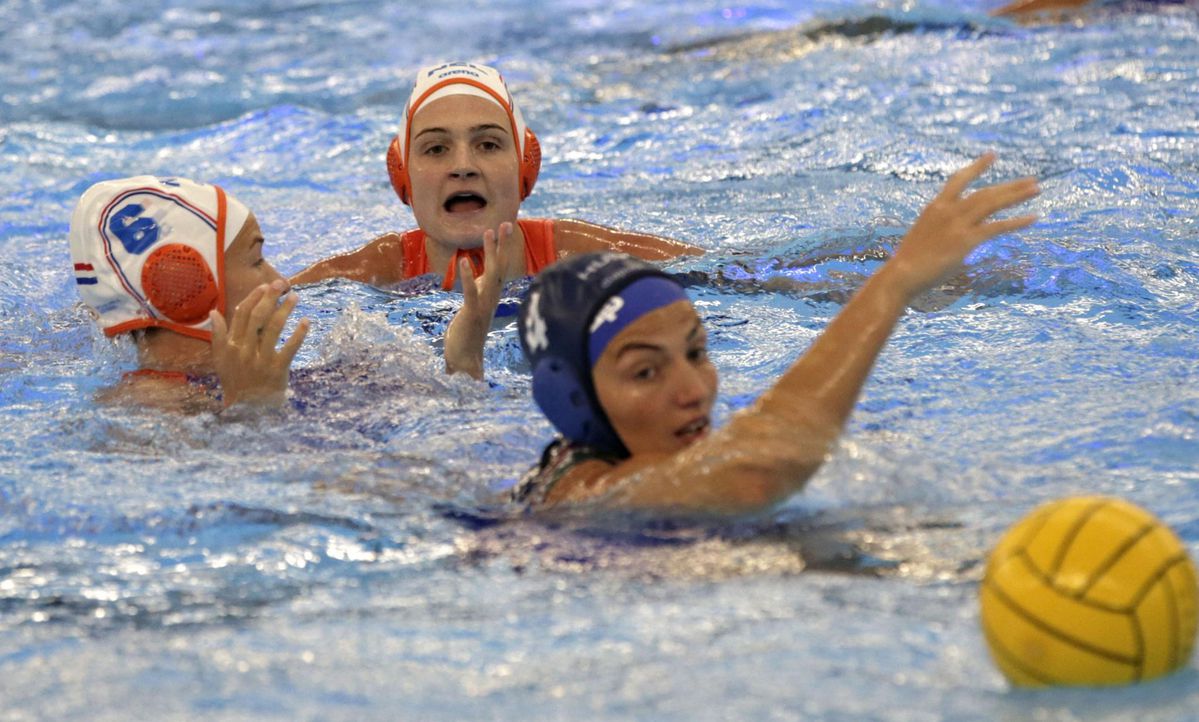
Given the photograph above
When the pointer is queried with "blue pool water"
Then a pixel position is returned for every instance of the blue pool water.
(337, 562)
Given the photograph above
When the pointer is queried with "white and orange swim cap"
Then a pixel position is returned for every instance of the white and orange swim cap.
(440, 81)
(150, 252)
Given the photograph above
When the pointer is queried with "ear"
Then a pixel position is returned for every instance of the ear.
(398, 173)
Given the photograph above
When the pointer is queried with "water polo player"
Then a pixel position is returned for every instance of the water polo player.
(620, 367)
(163, 259)
(464, 160)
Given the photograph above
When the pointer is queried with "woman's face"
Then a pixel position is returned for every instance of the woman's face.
(656, 383)
(245, 267)
(463, 166)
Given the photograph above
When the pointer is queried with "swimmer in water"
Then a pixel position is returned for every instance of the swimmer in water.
(620, 367)
(164, 260)
(464, 160)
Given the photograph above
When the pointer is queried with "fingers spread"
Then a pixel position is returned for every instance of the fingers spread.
(240, 319)
(489, 252)
(958, 181)
(292, 345)
(496, 249)
(1007, 225)
(272, 329)
(507, 238)
(260, 313)
(470, 290)
(983, 203)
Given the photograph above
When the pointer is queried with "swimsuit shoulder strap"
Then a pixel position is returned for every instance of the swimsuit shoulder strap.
(540, 249)
(559, 457)
(416, 261)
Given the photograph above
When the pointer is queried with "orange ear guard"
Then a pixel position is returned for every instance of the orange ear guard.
(530, 167)
(179, 284)
(396, 171)
(530, 164)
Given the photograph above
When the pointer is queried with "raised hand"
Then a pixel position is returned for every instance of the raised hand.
(953, 224)
(818, 392)
(250, 368)
(467, 333)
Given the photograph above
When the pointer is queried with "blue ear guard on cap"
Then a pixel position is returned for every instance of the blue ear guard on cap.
(553, 325)
(560, 393)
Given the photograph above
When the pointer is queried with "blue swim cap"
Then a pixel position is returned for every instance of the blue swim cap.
(556, 322)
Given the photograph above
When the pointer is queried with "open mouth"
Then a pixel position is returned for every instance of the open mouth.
(464, 202)
(694, 430)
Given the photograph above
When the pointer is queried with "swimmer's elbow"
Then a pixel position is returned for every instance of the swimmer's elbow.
(756, 495)
(471, 367)
(757, 490)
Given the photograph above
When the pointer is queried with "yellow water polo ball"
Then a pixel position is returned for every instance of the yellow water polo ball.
(1088, 590)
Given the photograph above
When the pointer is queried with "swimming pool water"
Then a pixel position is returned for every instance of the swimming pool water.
(341, 561)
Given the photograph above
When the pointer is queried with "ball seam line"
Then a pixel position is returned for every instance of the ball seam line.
(1068, 540)
(1060, 635)
(1102, 568)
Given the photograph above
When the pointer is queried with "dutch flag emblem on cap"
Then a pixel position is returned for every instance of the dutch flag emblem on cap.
(85, 274)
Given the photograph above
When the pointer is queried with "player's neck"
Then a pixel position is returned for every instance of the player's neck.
(441, 253)
(164, 350)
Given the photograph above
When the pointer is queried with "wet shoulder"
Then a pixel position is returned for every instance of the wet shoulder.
(560, 458)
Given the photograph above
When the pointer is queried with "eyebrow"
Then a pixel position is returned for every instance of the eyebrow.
(645, 346)
(637, 346)
(474, 129)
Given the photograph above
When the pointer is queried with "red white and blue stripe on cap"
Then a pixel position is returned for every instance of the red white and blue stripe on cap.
(85, 274)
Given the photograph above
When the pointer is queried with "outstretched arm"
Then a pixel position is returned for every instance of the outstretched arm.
(769, 450)
(249, 366)
(830, 375)
(467, 333)
(378, 263)
(1022, 7)
(571, 236)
